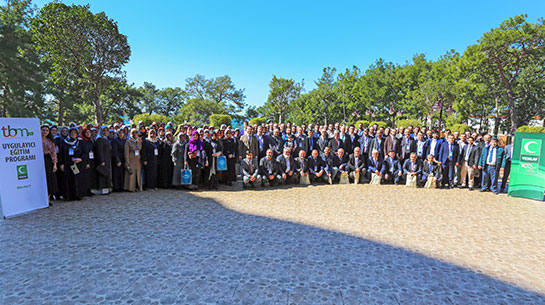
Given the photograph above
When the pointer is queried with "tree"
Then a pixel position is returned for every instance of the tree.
(83, 48)
(513, 47)
(170, 100)
(281, 95)
(21, 73)
(216, 120)
(197, 111)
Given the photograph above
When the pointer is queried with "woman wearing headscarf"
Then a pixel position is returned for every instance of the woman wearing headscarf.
(118, 160)
(58, 139)
(88, 173)
(103, 157)
(229, 150)
(216, 149)
(150, 156)
(196, 158)
(164, 179)
(179, 158)
(71, 163)
(50, 159)
(133, 152)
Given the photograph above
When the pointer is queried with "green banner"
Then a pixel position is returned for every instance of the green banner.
(528, 166)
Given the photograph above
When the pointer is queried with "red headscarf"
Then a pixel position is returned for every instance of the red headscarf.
(83, 137)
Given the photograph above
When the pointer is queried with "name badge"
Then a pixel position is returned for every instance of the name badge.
(56, 149)
(70, 151)
(91, 155)
(270, 171)
(316, 168)
(156, 151)
(136, 152)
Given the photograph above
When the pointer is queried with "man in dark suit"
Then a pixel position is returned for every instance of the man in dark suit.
(469, 160)
(263, 143)
(316, 167)
(248, 142)
(286, 167)
(268, 169)
(391, 169)
(357, 166)
(374, 164)
(323, 141)
(448, 158)
(434, 145)
(276, 143)
(310, 143)
(412, 167)
(491, 161)
(507, 169)
(350, 140)
(335, 143)
(337, 164)
(250, 171)
(301, 165)
(377, 143)
(430, 170)
(365, 143)
(408, 145)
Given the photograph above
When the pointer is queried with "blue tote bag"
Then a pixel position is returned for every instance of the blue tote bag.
(186, 176)
(222, 163)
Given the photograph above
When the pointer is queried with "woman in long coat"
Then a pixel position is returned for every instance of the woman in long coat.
(150, 156)
(118, 160)
(164, 179)
(133, 152)
(50, 159)
(88, 172)
(179, 158)
(215, 150)
(72, 153)
(103, 158)
(58, 139)
(229, 151)
(196, 158)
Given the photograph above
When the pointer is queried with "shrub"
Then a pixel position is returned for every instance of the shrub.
(461, 128)
(258, 121)
(364, 122)
(531, 129)
(407, 123)
(379, 123)
(216, 120)
(148, 119)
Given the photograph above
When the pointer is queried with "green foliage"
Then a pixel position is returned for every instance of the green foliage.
(216, 120)
(406, 123)
(380, 124)
(258, 121)
(197, 111)
(531, 129)
(461, 128)
(364, 122)
(148, 119)
(281, 96)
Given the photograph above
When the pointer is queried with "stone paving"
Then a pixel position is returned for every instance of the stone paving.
(341, 244)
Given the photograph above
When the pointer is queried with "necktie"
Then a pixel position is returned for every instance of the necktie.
(468, 152)
(250, 164)
(490, 155)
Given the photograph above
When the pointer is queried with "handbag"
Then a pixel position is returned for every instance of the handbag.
(103, 170)
(343, 179)
(221, 164)
(375, 179)
(305, 180)
(187, 177)
(411, 181)
(356, 178)
(429, 183)
(129, 170)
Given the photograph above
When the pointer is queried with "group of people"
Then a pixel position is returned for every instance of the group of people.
(87, 160)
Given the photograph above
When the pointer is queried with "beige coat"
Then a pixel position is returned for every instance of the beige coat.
(133, 182)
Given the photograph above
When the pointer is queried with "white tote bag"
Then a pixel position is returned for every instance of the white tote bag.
(411, 181)
(305, 180)
(375, 179)
(430, 184)
(344, 178)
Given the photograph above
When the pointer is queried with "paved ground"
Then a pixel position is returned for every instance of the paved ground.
(342, 244)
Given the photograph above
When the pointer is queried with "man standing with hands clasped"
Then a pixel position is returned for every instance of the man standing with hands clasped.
(491, 161)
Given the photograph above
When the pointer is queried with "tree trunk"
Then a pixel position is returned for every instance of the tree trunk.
(98, 111)
(280, 118)
(512, 111)
(61, 111)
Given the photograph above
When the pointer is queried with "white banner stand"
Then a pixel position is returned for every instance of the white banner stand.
(23, 185)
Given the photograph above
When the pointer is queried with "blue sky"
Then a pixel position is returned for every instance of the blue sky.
(252, 40)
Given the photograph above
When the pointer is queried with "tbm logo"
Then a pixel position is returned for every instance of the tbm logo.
(13, 132)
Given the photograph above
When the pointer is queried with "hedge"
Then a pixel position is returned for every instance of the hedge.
(531, 129)
(258, 121)
(217, 119)
(364, 122)
(148, 119)
(407, 123)
(461, 128)
(379, 123)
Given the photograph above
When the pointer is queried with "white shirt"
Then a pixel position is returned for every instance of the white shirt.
(432, 146)
(492, 150)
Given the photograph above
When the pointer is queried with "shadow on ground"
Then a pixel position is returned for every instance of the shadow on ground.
(171, 247)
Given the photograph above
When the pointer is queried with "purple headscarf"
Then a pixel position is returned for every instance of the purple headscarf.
(194, 145)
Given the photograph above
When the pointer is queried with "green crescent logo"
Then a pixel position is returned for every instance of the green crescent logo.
(531, 147)
(22, 172)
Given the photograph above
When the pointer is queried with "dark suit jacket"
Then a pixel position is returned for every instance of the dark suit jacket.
(390, 164)
(334, 146)
(434, 169)
(307, 147)
(437, 147)
(263, 148)
(265, 165)
(473, 155)
(444, 153)
(352, 163)
(425, 149)
(350, 144)
(246, 167)
(407, 167)
(298, 166)
(322, 143)
(282, 164)
(376, 146)
(412, 147)
(317, 164)
(392, 143)
(373, 165)
(365, 140)
(338, 162)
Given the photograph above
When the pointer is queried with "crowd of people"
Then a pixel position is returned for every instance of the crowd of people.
(88, 160)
